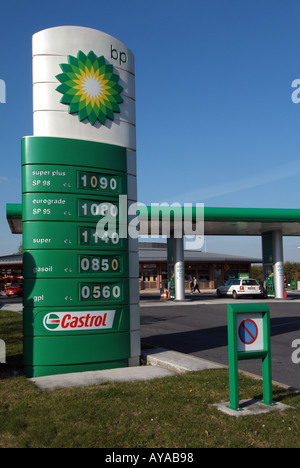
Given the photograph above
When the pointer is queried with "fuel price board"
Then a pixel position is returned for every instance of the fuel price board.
(76, 277)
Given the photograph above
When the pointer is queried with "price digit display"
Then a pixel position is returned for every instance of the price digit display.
(89, 236)
(95, 264)
(99, 291)
(92, 208)
(100, 182)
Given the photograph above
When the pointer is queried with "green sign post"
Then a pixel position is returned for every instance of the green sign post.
(249, 338)
(76, 278)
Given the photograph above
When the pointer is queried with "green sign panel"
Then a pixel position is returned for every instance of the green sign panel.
(69, 179)
(70, 152)
(249, 338)
(59, 207)
(71, 320)
(52, 264)
(69, 292)
(67, 236)
(75, 353)
(76, 274)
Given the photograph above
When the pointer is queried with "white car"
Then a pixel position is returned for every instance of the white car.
(240, 287)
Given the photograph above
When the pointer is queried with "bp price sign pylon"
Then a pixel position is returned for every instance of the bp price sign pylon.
(249, 338)
(78, 179)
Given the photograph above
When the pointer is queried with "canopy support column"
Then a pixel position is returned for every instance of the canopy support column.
(272, 247)
(278, 266)
(179, 269)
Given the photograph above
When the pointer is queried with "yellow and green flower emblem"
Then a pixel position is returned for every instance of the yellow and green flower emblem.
(90, 87)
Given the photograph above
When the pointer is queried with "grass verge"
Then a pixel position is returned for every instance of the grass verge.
(173, 412)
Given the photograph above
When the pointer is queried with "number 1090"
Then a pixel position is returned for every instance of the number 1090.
(95, 181)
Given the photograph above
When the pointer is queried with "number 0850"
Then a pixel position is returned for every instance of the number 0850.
(99, 291)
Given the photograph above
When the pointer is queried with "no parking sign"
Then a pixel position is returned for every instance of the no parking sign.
(250, 332)
(249, 338)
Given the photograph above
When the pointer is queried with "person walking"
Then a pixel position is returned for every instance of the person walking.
(195, 285)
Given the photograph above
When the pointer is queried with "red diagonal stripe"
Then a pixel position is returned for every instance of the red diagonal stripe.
(253, 338)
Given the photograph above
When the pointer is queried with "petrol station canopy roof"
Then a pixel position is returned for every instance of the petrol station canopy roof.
(217, 221)
(228, 221)
(14, 218)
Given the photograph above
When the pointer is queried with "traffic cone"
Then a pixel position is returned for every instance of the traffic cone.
(165, 296)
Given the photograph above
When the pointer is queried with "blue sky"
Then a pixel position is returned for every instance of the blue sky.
(215, 120)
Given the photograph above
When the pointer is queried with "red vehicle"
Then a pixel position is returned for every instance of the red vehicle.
(15, 290)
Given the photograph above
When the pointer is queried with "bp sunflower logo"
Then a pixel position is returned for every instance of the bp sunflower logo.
(90, 87)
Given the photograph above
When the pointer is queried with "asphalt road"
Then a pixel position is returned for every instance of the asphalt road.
(200, 328)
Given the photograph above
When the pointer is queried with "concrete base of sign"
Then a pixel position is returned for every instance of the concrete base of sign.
(178, 362)
(82, 379)
(163, 363)
(250, 408)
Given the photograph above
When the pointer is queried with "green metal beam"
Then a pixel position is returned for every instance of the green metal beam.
(14, 217)
(223, 214)
(217, 221)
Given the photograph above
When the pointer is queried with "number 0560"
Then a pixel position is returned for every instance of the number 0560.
(99, 291)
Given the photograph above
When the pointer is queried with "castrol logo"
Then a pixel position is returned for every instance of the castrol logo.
(72, 321)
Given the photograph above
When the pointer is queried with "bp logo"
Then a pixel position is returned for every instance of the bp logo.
(90, 87)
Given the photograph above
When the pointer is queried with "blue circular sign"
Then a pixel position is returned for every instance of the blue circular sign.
(248, 331)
